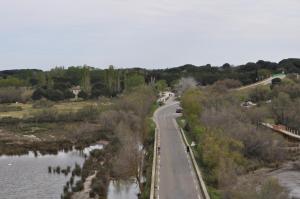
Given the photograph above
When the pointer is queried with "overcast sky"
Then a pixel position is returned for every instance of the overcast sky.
(146, 33)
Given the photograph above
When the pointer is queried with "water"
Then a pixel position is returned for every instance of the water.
(123, 190)
(27, 176)
(291, 181)
(289, 178)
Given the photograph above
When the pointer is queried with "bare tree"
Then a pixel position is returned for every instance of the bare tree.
(128, 162)
(185, 83)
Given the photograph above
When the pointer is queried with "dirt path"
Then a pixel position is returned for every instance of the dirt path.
(84, 194)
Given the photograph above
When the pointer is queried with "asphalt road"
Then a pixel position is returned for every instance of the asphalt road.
(176, 176)
(263, 82)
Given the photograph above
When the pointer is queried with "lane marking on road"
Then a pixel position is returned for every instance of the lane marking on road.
(158, 160)
(189, 160)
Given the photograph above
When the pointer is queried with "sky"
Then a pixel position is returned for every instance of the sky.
(146, 33)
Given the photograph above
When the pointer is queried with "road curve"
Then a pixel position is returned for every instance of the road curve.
(261, 83)
(176, 177)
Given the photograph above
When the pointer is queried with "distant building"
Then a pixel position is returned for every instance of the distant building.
(248, 104)
(76, 90)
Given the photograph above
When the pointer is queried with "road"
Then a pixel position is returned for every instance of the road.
(176, 176)
(263, 82)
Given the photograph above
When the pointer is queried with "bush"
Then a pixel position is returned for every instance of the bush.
(45, 115)
(38, 94)
(54, 95)
(260, 94)
(43, 103)
(228, 84)
(83, 95)
(68, 94)
(87, 112)
(8, 108)
(9, 120)
(10, 95)
(11, 81)
(61, 86)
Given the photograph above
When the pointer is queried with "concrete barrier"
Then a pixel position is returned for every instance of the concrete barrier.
(154, 168)
(198, 172)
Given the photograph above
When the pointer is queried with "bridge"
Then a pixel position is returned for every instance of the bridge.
(283, 130)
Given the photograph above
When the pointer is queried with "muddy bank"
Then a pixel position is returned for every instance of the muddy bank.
(48, 138)
(287, 174)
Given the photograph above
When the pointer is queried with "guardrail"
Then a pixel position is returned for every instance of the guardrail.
(198, 172)
(154, 165)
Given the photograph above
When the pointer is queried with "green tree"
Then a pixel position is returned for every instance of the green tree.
(86, 80)
(134, 80)
(11, 81)
(161, 85)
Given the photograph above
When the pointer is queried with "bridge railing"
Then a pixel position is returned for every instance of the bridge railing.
(286, 131)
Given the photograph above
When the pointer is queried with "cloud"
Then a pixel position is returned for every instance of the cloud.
(153, 33)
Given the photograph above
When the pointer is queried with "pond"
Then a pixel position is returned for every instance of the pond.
(27, 176)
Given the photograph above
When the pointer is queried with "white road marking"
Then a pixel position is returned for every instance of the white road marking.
(189, 160)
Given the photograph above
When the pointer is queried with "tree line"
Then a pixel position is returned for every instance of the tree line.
(56, 84)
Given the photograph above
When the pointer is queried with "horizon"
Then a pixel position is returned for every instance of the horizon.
(152, 34)
(147, 68)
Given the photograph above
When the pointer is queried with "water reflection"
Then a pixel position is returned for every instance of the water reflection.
(27, 176)
(123, 190)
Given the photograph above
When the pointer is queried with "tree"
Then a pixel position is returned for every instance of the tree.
(83, 95)
(129, 159)
(38, 94)
(280, 107)
(11, 81)
(54, 95)
(184, 84)
(161, 85)
(86, 80)
(226, 84)
(260, 93)
(10, 95)
(68, 94)
(100, 89)
(133, 81)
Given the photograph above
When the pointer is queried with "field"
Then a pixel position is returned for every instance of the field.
(20, 110)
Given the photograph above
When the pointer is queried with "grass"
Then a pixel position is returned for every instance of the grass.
(28, 109)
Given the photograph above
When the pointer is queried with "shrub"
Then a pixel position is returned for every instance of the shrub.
(43, 103)
(260, 94)
(276, 81)
(83, 95)
(78, 187)
(45, 115)
(10, 95)
(54, 95)
(87, 112)
(38, 94)
(68, 94)
(92, 194)
(8, 108)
